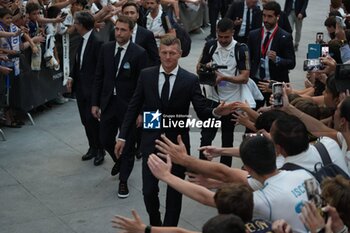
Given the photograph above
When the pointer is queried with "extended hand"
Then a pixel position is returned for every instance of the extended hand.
(167, 147)
(129, 225)
(210, 151)
(224, 109)
(158, 167)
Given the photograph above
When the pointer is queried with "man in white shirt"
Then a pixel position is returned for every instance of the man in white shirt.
(230, 82)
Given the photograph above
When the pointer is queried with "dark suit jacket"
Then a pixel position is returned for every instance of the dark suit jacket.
(300, 7)
(282, 44)
(186, 90)
(83, 79)
(283, 22)
(134, 60)
(145, 39)
(236, 10)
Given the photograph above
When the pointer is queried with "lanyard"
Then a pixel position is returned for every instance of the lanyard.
(264, 48)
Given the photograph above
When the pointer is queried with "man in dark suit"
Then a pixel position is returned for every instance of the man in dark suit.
(118, 68)
(296, 11)
(271, 50)
(146, 40)
(140, 35)
(246, 16)
(82, 75)
(169, 89)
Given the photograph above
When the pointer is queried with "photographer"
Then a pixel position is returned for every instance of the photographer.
(229, 83)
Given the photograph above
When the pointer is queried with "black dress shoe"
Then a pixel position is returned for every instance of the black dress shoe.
(116, 168)
(90, 154)
(100, 157)
(123, 191)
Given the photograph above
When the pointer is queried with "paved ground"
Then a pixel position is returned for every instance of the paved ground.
(45, 187)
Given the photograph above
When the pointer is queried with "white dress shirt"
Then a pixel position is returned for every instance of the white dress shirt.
(172, 79)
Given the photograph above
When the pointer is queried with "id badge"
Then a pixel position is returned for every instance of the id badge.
(262, 63)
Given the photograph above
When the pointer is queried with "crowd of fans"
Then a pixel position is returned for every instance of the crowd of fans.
(292, 136)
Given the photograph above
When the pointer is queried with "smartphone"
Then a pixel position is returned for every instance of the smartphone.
(319, 37)
(251, 135)
(313, 65)
(277, 91)
(64, 14)
(11, 56)
(313, 193)
(313, 51)
(324, 50)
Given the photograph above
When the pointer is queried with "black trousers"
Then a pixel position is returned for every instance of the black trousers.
(215, 7)
(151, 189)
(111, 121)
(91, 124)
(227, 134)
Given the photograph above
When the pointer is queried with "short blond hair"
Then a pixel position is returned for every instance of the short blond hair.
(168, 40)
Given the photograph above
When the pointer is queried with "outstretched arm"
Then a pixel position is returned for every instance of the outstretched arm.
(161, 170)
(136, 225)
(209, 169)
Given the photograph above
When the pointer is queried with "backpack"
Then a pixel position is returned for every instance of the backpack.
(181, 33)
(328, 169)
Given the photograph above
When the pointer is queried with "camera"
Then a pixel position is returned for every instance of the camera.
(313, 65)
(207, 74)
(277, 91)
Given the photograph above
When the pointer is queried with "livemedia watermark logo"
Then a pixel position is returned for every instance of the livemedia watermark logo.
(157, 120)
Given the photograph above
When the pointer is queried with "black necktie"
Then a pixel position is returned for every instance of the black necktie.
(117, 58)
(265, 44)
(165, 91)
(247, 22)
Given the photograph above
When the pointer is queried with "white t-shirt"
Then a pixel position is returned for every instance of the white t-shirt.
(225, 91)
(310, 157)
(282, 197)
(155, 25)
(344, 148)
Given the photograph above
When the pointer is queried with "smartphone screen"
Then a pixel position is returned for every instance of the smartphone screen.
(325, 51)
(277, 91)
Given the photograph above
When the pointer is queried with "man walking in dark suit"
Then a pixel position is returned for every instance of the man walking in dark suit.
(296, 11)
(118, 69)
(246, 16)
(271, 50)
(140, 35)
(83, 77)
(168, 89)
